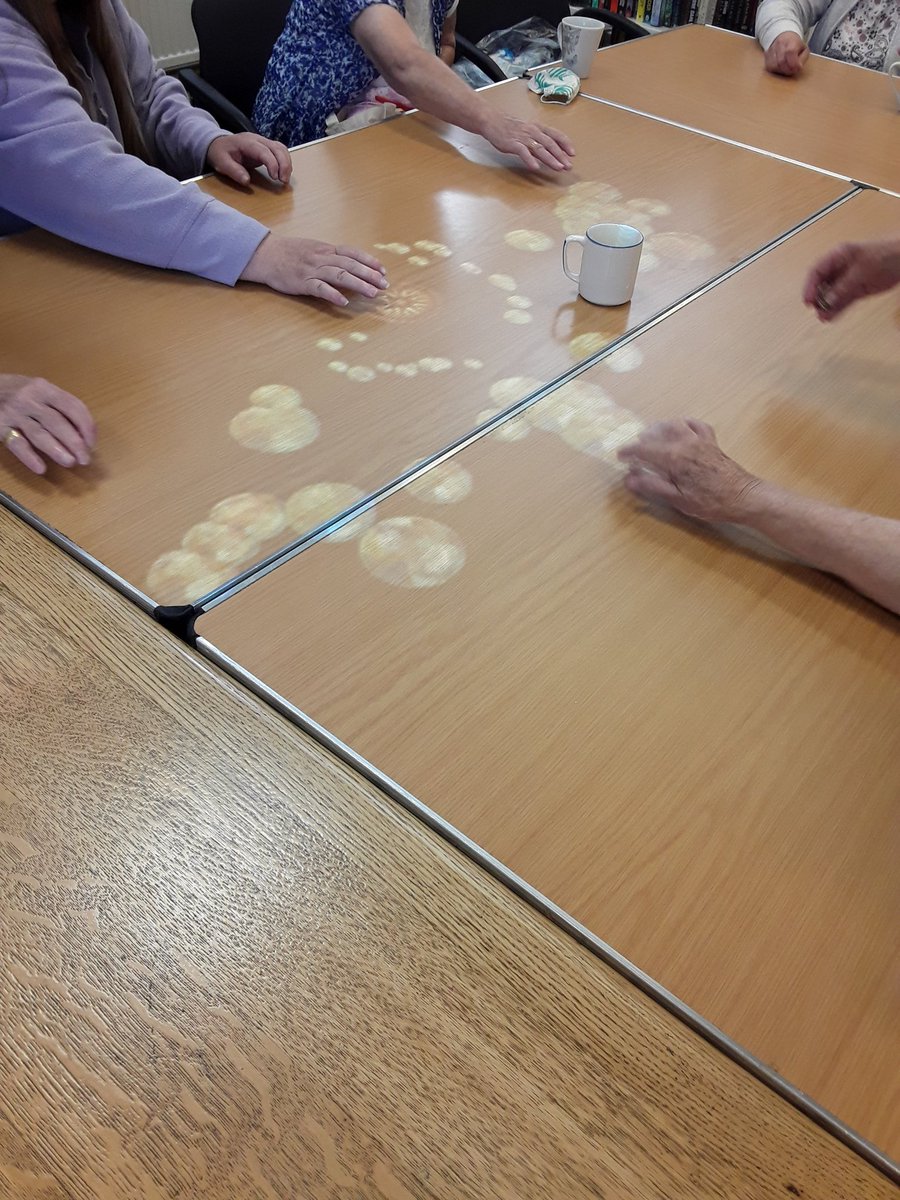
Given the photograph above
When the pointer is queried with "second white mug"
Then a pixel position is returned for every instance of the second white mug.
(611, 255)
(579, 40)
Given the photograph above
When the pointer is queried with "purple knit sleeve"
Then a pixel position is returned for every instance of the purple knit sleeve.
(180, 133)
(66, 173)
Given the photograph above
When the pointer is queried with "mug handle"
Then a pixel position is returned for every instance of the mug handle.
(894, 70)
(572, 237)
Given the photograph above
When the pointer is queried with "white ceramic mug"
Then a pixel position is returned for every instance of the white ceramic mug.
(611, 255)
(579, 40)
(894, 72)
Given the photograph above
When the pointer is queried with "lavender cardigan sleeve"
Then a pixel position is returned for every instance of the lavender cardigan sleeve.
(68, 174)
(180, 133)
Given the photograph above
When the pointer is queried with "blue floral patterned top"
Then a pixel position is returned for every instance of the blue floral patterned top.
(317, 66)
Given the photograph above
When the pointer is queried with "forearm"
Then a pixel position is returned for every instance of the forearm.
(862, 549)
(66, 173)
(430, 85)
(775, 17)
(91, 193)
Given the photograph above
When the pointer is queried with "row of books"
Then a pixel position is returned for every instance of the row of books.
(738, 15)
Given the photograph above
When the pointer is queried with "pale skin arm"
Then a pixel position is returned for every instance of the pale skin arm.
(430, 85)
(681, 462)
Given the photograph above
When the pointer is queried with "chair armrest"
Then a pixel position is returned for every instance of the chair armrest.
(465, 49)
(204, 95)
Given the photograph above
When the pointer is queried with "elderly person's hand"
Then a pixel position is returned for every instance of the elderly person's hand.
(681, 462)
(231, 154)
(37, 418)
(850, 272)
(300, 267)
(787, 55)
(536, 145)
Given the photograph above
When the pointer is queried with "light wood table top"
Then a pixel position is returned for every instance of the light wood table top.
(835, 116)
(690, 747)
(166, 363)
(232, 969)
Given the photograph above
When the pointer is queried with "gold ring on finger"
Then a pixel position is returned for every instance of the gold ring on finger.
(10, 436)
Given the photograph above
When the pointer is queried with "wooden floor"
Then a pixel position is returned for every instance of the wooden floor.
(224, 973)
(834, 116)
(692, 749)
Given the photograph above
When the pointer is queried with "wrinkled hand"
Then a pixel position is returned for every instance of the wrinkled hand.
(45, 420)
(536, 145)
(850, 272)
(787, 55)
(300, 267)
(232, 153)
(680, 462)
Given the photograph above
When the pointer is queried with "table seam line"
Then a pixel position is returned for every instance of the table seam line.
(312, 537)
(720, 137)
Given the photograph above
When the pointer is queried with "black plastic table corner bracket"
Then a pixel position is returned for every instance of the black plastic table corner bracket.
(178, 619)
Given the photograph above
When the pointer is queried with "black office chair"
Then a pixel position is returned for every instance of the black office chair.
(236, 39)
(475, 19)
(621, 29)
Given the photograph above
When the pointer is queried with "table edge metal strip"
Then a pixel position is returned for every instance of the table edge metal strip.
(76, 552)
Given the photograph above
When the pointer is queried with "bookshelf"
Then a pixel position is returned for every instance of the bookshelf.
(738, 16)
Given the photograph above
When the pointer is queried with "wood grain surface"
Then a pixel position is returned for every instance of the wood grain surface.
(835, 116)
(686, 743)
(230, 969)
(166, 363)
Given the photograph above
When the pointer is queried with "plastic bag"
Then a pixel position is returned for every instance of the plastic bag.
(516, 50)
(474, 76)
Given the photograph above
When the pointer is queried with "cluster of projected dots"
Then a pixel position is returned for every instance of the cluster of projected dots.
(406, 551)
(415, 551)
(581, 413)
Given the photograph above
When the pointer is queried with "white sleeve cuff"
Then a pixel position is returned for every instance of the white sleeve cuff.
(776, 28)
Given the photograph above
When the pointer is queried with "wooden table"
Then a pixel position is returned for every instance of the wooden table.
(224, 972)
(692, 748)
(835, 117)
(168, 363)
